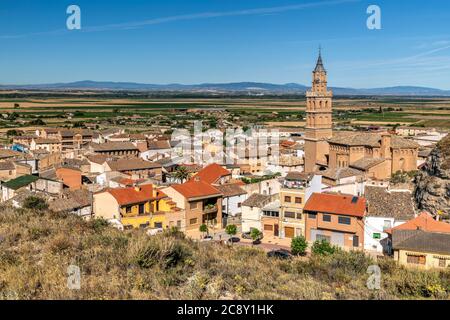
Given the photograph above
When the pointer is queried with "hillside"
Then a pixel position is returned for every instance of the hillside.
(37, 247)
(433, 184)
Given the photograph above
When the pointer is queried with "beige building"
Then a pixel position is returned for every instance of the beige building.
(379, 155)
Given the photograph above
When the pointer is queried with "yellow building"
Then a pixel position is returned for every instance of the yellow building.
(292, 201)
(135, 207)
(421, 249)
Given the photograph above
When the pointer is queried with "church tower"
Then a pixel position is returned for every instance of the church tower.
(318, 120)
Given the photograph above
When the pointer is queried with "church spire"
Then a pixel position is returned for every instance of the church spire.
(319, 64)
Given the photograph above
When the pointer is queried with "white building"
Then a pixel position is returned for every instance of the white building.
(252, 211)
(233, 197)
(385, 209)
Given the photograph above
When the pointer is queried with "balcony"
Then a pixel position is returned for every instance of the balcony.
(210, 208)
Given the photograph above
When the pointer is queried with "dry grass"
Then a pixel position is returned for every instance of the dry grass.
(37, 248)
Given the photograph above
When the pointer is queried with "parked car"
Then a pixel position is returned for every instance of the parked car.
(154, 231)
(207, 238)
(280, 254)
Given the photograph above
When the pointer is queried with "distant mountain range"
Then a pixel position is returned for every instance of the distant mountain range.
(255, 88)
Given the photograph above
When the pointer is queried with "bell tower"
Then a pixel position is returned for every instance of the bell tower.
(319, 120)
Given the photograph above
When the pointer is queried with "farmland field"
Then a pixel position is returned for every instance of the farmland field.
(288, 111)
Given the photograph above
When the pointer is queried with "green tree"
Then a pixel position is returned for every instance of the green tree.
(203, 229)
(35, 203)
(231, 230)
(13, 133)
(299, 245)
(323, 247)
(182, 174)
(256, 235)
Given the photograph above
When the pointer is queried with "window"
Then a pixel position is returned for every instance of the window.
(442, 262)
(326, 218)
(311, 215)
(376, 235)
(321, 237)
(158, 225)
(193, 221)
(179, 224)
(287, 199)
(239, 205)
(128, 209)
(193, 205)
(344, 220)
(298, 200)
(412, 259)
(141, 208)
(289, 214)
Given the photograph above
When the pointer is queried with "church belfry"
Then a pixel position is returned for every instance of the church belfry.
(319, 120)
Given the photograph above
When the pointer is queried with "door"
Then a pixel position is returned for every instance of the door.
(276, 231)
(289, 232)
(355, 241)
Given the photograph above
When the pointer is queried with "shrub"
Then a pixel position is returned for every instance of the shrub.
(167, 252)
(323, 247)
(255, 234)
(203, 228)
(35, 203)
(231, 229)
(299, 245)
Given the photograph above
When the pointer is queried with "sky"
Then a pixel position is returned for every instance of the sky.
(215, 41)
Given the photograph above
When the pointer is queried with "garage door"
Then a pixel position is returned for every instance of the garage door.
(289, 232)
(268, 227)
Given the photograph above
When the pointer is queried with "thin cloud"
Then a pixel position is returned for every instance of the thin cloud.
(195, 16)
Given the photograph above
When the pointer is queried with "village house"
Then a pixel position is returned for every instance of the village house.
(335, 218)
(70, 177)
(421, 242)
(213, 174)
(133, 207)
(114, 149)
(135, 167)
(50, 145)
(11, 170)
(201, 202)
(296, 189)
(386, 209)
(252, 211)
(32, 183)
(77, 202)
(233, 197)
(156, 150)
(343, 180)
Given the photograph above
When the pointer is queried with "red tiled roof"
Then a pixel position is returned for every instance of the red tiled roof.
(424, 222)
(338, 204)
(126, 196)
(212, 173)
(195, 189)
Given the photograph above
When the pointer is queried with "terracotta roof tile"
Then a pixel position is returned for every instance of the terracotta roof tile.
(212, 173)
(195, 189)
(126, 196)
(338, 204)
(424, 222)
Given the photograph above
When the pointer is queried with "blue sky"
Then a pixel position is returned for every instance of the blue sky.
(196, 41)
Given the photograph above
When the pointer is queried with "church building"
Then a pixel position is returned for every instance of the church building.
(378, 155)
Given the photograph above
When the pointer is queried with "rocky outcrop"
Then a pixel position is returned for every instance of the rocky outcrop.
(432, 191)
